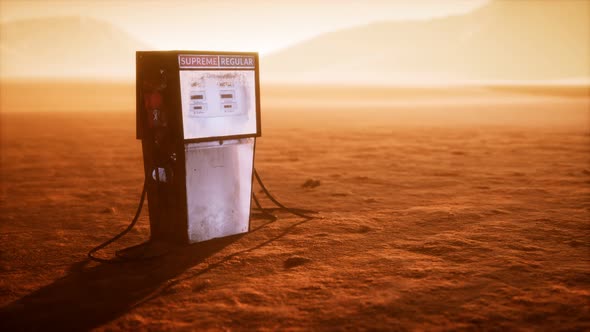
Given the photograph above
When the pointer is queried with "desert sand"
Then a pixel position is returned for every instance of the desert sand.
(459, 210)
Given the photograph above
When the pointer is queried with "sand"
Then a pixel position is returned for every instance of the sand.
(450, 214)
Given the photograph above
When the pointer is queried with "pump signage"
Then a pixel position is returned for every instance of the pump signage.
(216, 61)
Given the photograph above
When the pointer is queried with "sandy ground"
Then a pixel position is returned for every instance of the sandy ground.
(472, 216)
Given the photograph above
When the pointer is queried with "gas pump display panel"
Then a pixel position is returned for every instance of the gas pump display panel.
(219, 96)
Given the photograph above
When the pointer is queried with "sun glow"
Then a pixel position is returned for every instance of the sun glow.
(375, 42)
(262, 26)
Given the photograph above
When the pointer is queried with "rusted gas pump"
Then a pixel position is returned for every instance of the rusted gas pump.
(198, 116)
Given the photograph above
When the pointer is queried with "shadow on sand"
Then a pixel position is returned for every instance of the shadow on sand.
(89, 297)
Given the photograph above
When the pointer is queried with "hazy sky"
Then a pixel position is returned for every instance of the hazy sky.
(257, 25)
(505, 40)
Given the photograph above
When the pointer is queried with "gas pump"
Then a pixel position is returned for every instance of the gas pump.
(197, 116)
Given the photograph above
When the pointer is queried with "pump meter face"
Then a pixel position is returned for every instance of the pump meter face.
(218, 96)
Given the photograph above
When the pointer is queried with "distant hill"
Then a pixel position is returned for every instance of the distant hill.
(66, 47)
(501, 41)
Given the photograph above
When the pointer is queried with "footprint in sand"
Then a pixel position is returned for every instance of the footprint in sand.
(295, 261)
(311, 183)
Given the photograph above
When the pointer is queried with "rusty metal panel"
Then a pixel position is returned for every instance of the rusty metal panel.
(218, 187)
